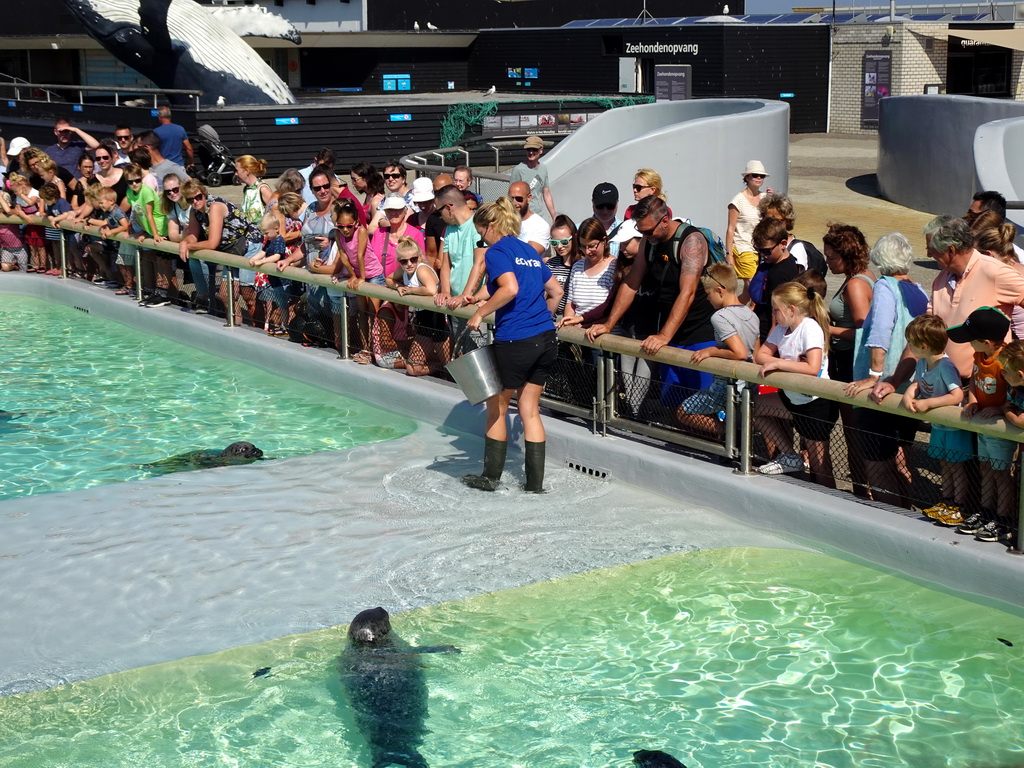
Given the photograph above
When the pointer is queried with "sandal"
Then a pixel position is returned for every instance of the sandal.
(122, 292)
(363, 357)
(31, 270)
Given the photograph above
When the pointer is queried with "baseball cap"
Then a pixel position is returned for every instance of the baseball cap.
(605, 192)
(18, 145)
(394, 203)
(983, 324)
(422, 190)
(627, 231)
(534, 142)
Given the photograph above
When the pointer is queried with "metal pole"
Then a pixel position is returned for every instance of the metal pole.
(230, 292)
(730, 421)
(344, 325)
(63, 257)
(746, 430)
(598, 407)
(1018, 547)
(609, 389)
(138, 274)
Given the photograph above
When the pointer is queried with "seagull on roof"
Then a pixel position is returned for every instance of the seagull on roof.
(416, 26)
(220, 101)
(431, 26)
(725, 10)
(490, 91)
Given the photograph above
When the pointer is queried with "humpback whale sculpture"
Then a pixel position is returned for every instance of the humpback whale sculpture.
(181, 44)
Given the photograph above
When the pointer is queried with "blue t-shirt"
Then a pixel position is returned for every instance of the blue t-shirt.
(937, 382)
(527, 314)
(171, 136)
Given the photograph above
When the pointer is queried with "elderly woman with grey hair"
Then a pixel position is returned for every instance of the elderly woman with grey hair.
(878, 347)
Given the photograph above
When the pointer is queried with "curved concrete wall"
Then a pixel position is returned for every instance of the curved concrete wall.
(999, 161)
(926, 149)
(699, 147)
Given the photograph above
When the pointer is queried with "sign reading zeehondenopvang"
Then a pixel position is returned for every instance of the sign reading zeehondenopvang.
(660, 49)
(672, 82)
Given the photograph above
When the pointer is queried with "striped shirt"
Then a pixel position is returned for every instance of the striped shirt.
(589, 291)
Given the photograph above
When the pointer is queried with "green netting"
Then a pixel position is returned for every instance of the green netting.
(461, 117)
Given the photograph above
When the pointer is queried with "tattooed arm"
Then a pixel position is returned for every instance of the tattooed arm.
(693, 255)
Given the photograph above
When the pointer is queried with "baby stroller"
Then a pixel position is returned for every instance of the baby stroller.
(216, 164)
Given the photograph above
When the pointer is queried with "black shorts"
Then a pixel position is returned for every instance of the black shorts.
(880, 434)
(526, 361)
(433, 325)
(813, 420)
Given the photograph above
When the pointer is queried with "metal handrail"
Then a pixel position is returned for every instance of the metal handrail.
(417, 161)
(116, 90)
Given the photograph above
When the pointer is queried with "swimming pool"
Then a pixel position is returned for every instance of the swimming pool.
(116, 577)
(746, 656)
(100, 399)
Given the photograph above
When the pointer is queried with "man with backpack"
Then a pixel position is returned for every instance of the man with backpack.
(664, 295)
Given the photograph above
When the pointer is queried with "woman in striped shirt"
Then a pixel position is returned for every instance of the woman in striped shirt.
(593, 280)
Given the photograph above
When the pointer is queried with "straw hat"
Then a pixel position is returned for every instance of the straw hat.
(754, 166)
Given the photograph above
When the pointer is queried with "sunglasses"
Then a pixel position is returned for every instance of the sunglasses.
(767, 251)
(346, 226)
(639, 187)
(705, 273)
(195, 197)
(102, 157)
(133, 182)
(532, 149)
(605, 206)
(757, 175)
(172, 190)
(320, 187)
(123, 138)
(517, 198)
(561, 243)
(394, 175)
(411, 260)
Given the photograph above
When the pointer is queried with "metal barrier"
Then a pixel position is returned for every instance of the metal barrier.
(490, 186)
(51, 91)
(593, 389)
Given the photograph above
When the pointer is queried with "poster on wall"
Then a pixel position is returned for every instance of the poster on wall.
(672, 82)
(875, 85)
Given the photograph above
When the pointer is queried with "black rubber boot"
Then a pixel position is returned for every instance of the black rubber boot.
(534, 467)
(494, 465)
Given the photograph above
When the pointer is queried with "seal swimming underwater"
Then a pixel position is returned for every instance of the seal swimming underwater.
(655, 758)
(236, 453)
(383, 681)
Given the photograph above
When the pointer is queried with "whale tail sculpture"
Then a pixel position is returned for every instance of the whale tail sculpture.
(179, 44)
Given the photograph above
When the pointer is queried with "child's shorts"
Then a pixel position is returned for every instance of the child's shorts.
(996, 451)
(950, 444)
(814, 420)
(126, 253)
(707, 402)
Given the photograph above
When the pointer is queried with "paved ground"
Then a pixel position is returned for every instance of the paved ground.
(832, 179)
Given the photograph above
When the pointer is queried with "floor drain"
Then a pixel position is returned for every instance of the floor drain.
(597, 472)
(82, 309)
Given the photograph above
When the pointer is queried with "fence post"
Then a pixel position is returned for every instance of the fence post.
(63, 257)
(729, 416)
(609, 390)
(597, 407)
(138, 274)
(344, 325)
(1017, 547)
(225, 275)
(746, 430)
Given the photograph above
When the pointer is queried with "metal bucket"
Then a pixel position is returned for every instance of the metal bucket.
(476, 373)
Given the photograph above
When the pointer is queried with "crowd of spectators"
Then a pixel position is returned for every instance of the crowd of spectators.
(647, 273)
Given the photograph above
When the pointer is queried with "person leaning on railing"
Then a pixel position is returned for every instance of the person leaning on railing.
(882, 438)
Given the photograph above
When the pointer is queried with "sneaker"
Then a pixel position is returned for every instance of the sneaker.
(993, 531)
(936, 510)
(973, 524)
(201, 310)
(951, 517)
(785, 464)
(157, 301)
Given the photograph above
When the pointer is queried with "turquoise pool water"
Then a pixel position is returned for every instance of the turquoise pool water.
(99, 399)
(728, 657)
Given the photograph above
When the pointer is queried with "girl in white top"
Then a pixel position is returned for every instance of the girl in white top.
(593, 279)
(743, 217)
(415, 277)
(798, 344)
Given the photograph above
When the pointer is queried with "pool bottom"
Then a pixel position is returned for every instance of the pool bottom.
(117, 577)
(746, 656)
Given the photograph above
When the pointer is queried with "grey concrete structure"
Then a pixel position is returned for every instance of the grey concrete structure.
(926, 149)
(999, 161)
(688, 142)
